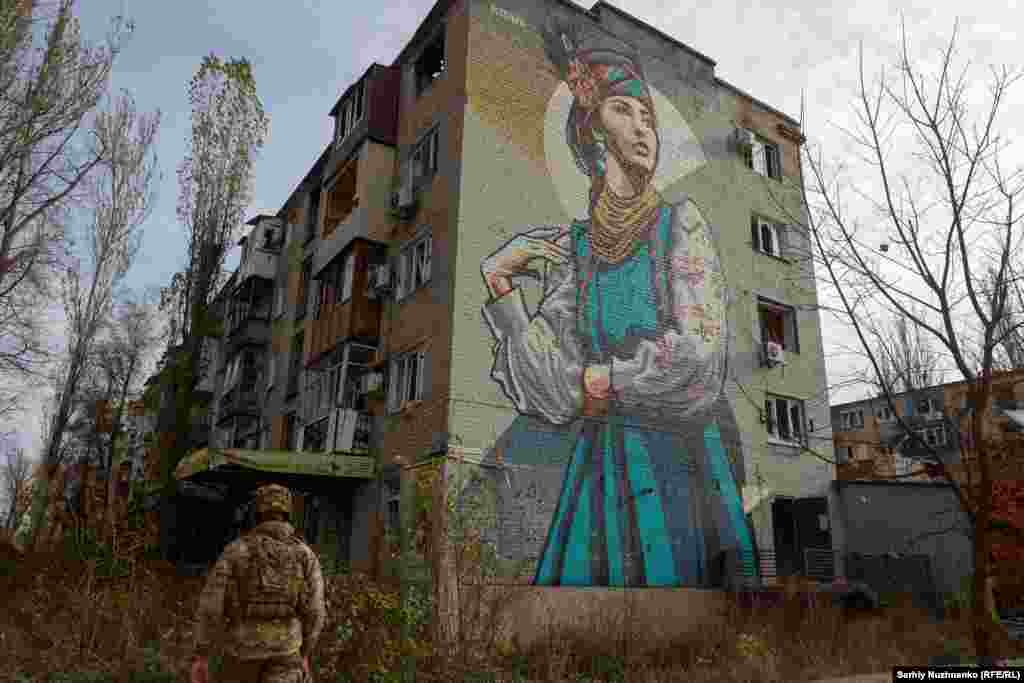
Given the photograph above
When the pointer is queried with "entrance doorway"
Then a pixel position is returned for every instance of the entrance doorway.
(801, 525)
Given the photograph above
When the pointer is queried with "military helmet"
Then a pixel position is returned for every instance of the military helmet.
(273, 498)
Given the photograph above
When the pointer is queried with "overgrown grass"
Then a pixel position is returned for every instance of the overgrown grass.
(84, 614)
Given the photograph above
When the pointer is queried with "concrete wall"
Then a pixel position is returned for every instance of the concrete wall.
(905, 518)
(647, 619)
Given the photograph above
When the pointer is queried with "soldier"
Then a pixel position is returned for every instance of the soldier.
(268, 590)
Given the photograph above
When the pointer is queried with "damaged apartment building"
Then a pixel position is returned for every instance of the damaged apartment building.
(551, 244)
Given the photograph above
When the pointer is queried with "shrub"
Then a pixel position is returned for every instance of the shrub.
(152, 669)
(363, 635)
(82, 545)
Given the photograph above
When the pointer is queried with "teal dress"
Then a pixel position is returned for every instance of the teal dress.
(646, 500)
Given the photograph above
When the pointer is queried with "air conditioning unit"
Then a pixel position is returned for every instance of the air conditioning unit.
(379, 281)
(745, 138)
(371, 382)
(774, 354)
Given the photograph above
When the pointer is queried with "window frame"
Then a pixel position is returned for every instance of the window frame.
(764, 157)
(342, 196)
(423, 82)
(313, 219)
(758, 224)
(302, 300)
(771, 406)
(412, 388)
(412, 273)
(772, 160)
(934, 436)
(789, 323)
(280, 301)
(902, 465)
(851, 419)
(326, 434)
(323, 296)
(350, 112)
(291, 431)
(345, 282)
(934, 407)
(421, 173)
(294, 386)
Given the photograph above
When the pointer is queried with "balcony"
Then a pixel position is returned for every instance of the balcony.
(242, 399)
(355, 432)
(363, 432)
(248, 331)
(259, 263)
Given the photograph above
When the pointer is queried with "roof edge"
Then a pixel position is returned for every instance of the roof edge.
(739, 91)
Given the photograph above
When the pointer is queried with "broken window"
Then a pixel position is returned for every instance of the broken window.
(430, 65)
(414, 265)
(763, 157)
(343, 198)
(766, 235)
(778, 324)
(784, 418)
(424, 158)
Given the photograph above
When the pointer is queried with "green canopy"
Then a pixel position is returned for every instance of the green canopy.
(283, 462)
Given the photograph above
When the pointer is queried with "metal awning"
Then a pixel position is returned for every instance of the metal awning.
(340, 465)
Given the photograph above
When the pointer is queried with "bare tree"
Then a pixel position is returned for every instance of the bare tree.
(123, 358)
(229, 127)
(16, 475)
(51, 82)
(1010, 332)
(906, 361)
(929, 236)
(120, 195)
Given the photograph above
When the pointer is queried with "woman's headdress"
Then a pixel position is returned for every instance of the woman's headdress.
(592, 77)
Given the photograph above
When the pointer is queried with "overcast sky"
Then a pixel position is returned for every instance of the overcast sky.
(305, 53)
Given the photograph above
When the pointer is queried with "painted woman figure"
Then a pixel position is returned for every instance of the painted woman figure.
(629, 342)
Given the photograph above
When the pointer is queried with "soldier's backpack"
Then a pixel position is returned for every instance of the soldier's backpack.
(272, 584)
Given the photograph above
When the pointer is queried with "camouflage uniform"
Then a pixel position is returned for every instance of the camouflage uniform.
(266, 634)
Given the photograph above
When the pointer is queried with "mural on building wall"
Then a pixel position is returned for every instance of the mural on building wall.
(625, 356)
